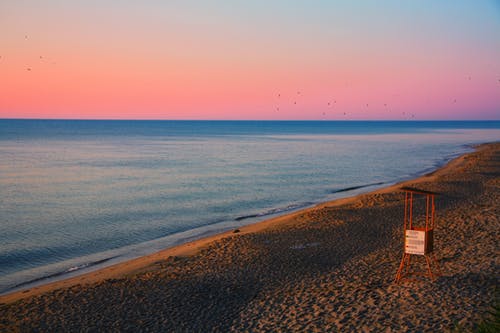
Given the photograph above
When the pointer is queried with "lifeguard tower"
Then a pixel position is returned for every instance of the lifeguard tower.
(418, 236)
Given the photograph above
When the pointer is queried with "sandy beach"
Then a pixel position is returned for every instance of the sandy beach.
(323, 269)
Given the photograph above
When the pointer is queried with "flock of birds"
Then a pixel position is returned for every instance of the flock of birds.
(329, 104)
(28, 69)
(333, 103)
(345, 114)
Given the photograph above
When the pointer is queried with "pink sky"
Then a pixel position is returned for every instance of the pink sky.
(236, 60)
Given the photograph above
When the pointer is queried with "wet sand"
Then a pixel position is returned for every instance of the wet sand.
(327, 268)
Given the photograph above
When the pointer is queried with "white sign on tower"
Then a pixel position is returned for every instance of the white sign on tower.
(415, 242)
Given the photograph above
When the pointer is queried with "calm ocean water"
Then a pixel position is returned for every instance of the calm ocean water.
(79, 195)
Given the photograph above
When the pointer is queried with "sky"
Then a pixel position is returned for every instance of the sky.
(282, 59)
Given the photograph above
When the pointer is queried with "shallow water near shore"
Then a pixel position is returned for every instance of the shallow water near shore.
(78, 195)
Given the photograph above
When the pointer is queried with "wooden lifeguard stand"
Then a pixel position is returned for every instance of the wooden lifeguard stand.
(419, 237)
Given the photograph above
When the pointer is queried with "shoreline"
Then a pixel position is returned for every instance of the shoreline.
(326, 268)
(134, 266)
(206, 231)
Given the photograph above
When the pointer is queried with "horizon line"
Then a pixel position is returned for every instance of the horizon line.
(242, 120)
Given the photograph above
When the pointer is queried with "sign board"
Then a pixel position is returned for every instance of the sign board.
(415, 242)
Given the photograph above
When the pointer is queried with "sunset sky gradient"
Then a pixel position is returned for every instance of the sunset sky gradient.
(250, 59)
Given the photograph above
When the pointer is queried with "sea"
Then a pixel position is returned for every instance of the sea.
(79, 195)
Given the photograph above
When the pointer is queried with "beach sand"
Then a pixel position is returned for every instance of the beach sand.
(327, 268)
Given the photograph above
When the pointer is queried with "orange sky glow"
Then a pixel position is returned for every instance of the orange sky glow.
(189, 60)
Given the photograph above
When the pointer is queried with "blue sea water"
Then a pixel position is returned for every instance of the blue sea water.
(80, 195)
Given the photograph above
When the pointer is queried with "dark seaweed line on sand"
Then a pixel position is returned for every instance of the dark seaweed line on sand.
(298, 206)
(347, 189)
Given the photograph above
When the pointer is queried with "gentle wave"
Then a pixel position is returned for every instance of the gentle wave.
(274, 211)
(61, 273)
(352, 188)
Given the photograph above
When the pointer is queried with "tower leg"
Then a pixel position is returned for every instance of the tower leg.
(405, 270)
(401, 268)
(428, 261)
(408, 264)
